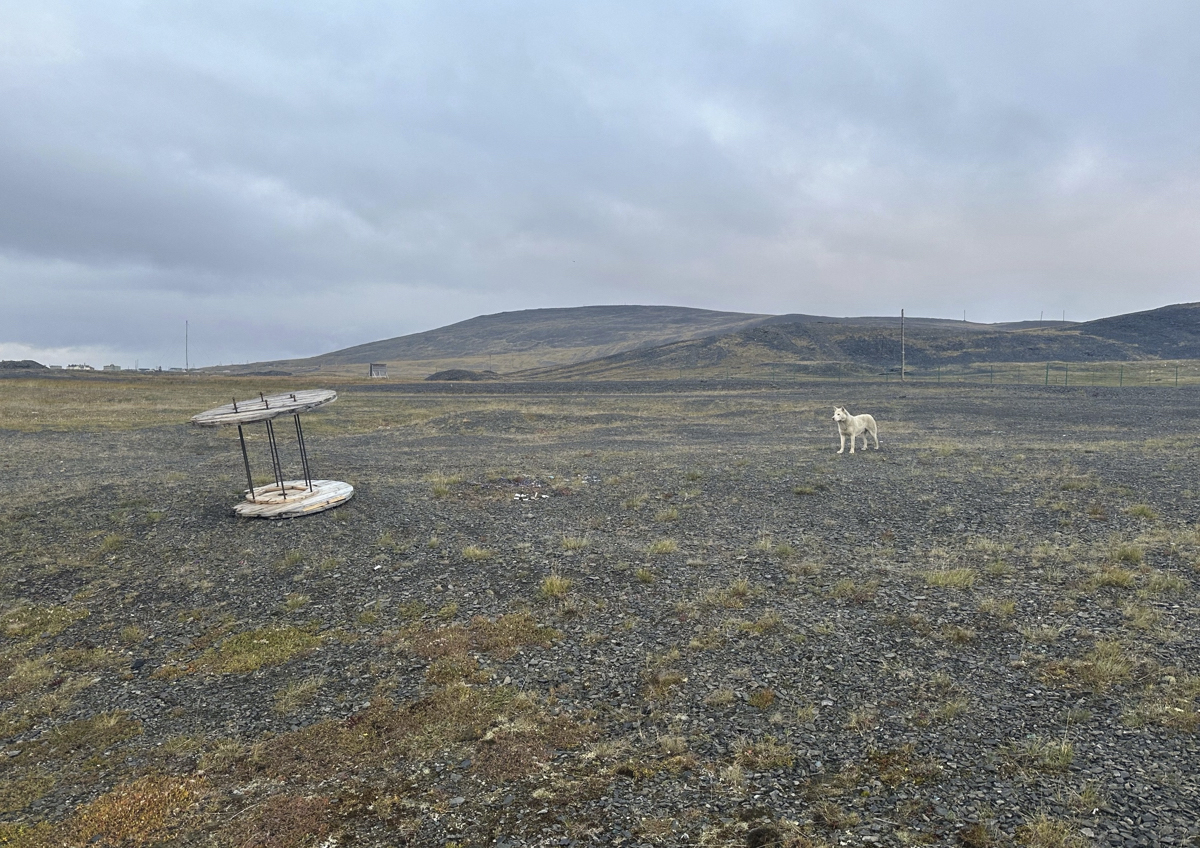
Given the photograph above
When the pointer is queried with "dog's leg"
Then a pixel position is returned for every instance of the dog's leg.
(875, 436)
(853, 439)
(842, 446)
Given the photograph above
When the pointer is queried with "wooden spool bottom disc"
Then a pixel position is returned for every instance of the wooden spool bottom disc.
(295, 499)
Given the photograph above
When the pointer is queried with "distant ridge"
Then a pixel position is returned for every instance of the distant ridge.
(531, 338)
(620, 342)
(804, 344)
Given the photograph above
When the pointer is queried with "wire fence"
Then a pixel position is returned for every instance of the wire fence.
(1118, 374)
(1159, 373)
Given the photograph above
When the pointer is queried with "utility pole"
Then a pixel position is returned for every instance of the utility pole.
(901, 345)
(186, 364)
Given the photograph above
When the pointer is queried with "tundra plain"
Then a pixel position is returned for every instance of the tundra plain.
(579, 614)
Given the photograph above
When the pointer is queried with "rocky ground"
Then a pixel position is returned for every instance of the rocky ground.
(619, 614)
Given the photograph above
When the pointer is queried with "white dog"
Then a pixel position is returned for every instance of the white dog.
(854, 426)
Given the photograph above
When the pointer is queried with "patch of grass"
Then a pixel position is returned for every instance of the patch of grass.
(1088, 798)
(475, 553)
(997, 568)
(441, 483)
(289, 560)
(329, 565)
(764, 624)
(849, 589)
(903, 766)
(501, 637)
(410, 610)
(980, 835)
(295, 600)
(136, 813)
(1163, 583)
(33, 622)
(997, 607)
(447, 611)
(665, 515)
(1171, 702)
(1142, 511)
(1130, 554)
(661, 678)
(1107, 664)
(957, 634)
(720, 698)
(862, 719)
(1048, 754)
(1041, 632)
(554, 586)
(662, 547)
(18, 793)
(635, 502)
(131, 634)
(253, 649)
(644, 575)
(951, 578)
(806, 489)
(297, 694)
(1045, 831)
(761, 698)
(281, 821)
(1114, 577)
(574, 543)
(367, 617)
(951, 709)
(762, 754)
(455, 668)
(112, 543)
(830, 815)
(1141, 616)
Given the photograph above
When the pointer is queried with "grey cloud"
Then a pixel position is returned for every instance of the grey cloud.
(268, 166)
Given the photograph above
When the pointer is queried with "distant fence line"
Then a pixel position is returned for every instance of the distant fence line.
(1117, 374)
(1120, 374)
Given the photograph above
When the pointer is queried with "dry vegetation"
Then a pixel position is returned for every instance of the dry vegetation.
(634, 617)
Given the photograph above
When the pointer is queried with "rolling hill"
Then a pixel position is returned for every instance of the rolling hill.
(844, 347)
(632, 342)
(528, 339)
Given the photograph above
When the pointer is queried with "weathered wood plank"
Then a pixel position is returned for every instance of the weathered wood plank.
(264, 408)
(325, 494)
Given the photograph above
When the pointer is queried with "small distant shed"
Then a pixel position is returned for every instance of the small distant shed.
(378, 369)
(112, 367)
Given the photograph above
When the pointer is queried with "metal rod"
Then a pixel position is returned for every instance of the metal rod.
(303, 452)
(246, 460)
(278, 466)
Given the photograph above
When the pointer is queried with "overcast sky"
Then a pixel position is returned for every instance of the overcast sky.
(291, 178)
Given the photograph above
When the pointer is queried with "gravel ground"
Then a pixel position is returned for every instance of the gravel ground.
(984, 632)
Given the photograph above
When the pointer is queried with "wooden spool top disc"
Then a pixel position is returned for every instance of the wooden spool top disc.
(264, 408)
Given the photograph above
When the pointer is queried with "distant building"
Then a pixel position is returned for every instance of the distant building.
(377, 369)
(112, 367)
(80, 366)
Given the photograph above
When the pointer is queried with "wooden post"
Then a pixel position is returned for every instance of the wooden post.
(901, 345)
